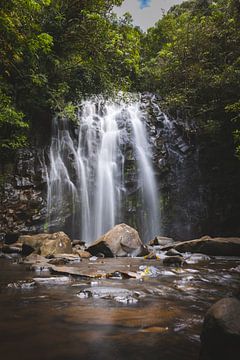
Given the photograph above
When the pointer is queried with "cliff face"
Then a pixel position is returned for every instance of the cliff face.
(198, 180)
(23, 193)
(198, 177)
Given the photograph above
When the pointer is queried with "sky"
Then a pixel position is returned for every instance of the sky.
(145, 13)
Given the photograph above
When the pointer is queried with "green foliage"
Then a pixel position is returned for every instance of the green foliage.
(53, 52)
(12, 125)
(195, 62)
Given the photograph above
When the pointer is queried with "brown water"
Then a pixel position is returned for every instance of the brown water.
(51, 322)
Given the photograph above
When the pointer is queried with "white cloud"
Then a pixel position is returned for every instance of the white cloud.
(147, 16)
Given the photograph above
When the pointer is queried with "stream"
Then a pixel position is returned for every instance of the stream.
(70, 318)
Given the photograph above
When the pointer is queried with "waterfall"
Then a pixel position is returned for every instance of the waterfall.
(88, 185)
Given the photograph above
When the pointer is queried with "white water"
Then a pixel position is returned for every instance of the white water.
(86, 176)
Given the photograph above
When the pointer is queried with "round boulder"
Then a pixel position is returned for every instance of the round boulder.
(220, 336)
(122, 240)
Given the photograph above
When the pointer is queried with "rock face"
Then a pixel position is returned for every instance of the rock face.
(221, 331)
(23, 194)
(211, 246)
(47, 244)
(198, 175)
(122, 240)
(198, 179)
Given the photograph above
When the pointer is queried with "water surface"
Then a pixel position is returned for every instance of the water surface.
(51, 322)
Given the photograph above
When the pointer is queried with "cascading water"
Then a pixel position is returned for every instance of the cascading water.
(87, 177)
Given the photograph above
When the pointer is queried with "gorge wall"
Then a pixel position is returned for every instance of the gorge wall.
(197, 178)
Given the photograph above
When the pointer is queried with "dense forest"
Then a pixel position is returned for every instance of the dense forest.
(55, 52)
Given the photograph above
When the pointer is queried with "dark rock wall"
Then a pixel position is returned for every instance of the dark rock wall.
(23, 193)
(198, 181)
(198, 177)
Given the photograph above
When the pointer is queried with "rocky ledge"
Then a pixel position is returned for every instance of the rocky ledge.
(218, 246)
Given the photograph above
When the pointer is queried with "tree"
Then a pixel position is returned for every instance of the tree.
(196, 67)
(54, 52)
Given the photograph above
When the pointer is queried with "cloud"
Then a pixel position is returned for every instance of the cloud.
(144, 3)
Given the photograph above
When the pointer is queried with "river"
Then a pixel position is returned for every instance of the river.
(56, 321)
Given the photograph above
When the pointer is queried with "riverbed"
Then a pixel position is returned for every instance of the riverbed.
(157, 315)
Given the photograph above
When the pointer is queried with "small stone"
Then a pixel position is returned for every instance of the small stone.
(121, 295)
(161, 240)
(93, 258)
(173, 252)
(152, 256)
(196, 258)
(78, 242)
(173, 261)
(82, 253)
(22, 284)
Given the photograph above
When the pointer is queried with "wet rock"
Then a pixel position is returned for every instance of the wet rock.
(87, 271)
(22, 284)
(54, 280)
(66, 258)
(211, 246)
(93, 258)
(76, 271)
(78, 242)
(40, 267)
(161, 241)
(13, 249)
(236, 269)
(37, 263)
(11, 238)
(34, 258)
(47, 244)
(173, 252)
(152, 256)
(122, 240)
(173, 261)
(122, 275)
(57, 261)
(196, 258)
(148, 271)
(220, 335)
(122, 295)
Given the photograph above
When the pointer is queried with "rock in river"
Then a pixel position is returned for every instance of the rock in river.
(122, 240)
(221, 331)
(122, 295)
(47, 244)
(210, 246)
(161, 241)
(173, 261)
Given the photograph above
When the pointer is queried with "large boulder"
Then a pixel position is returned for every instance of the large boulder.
(210, 246)
(46, 244)
(122, 240)
(220, 336)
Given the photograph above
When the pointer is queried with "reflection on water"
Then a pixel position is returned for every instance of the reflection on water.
(52, 322)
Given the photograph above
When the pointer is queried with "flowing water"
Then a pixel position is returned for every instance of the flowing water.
(52, 322)
(88, 169)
